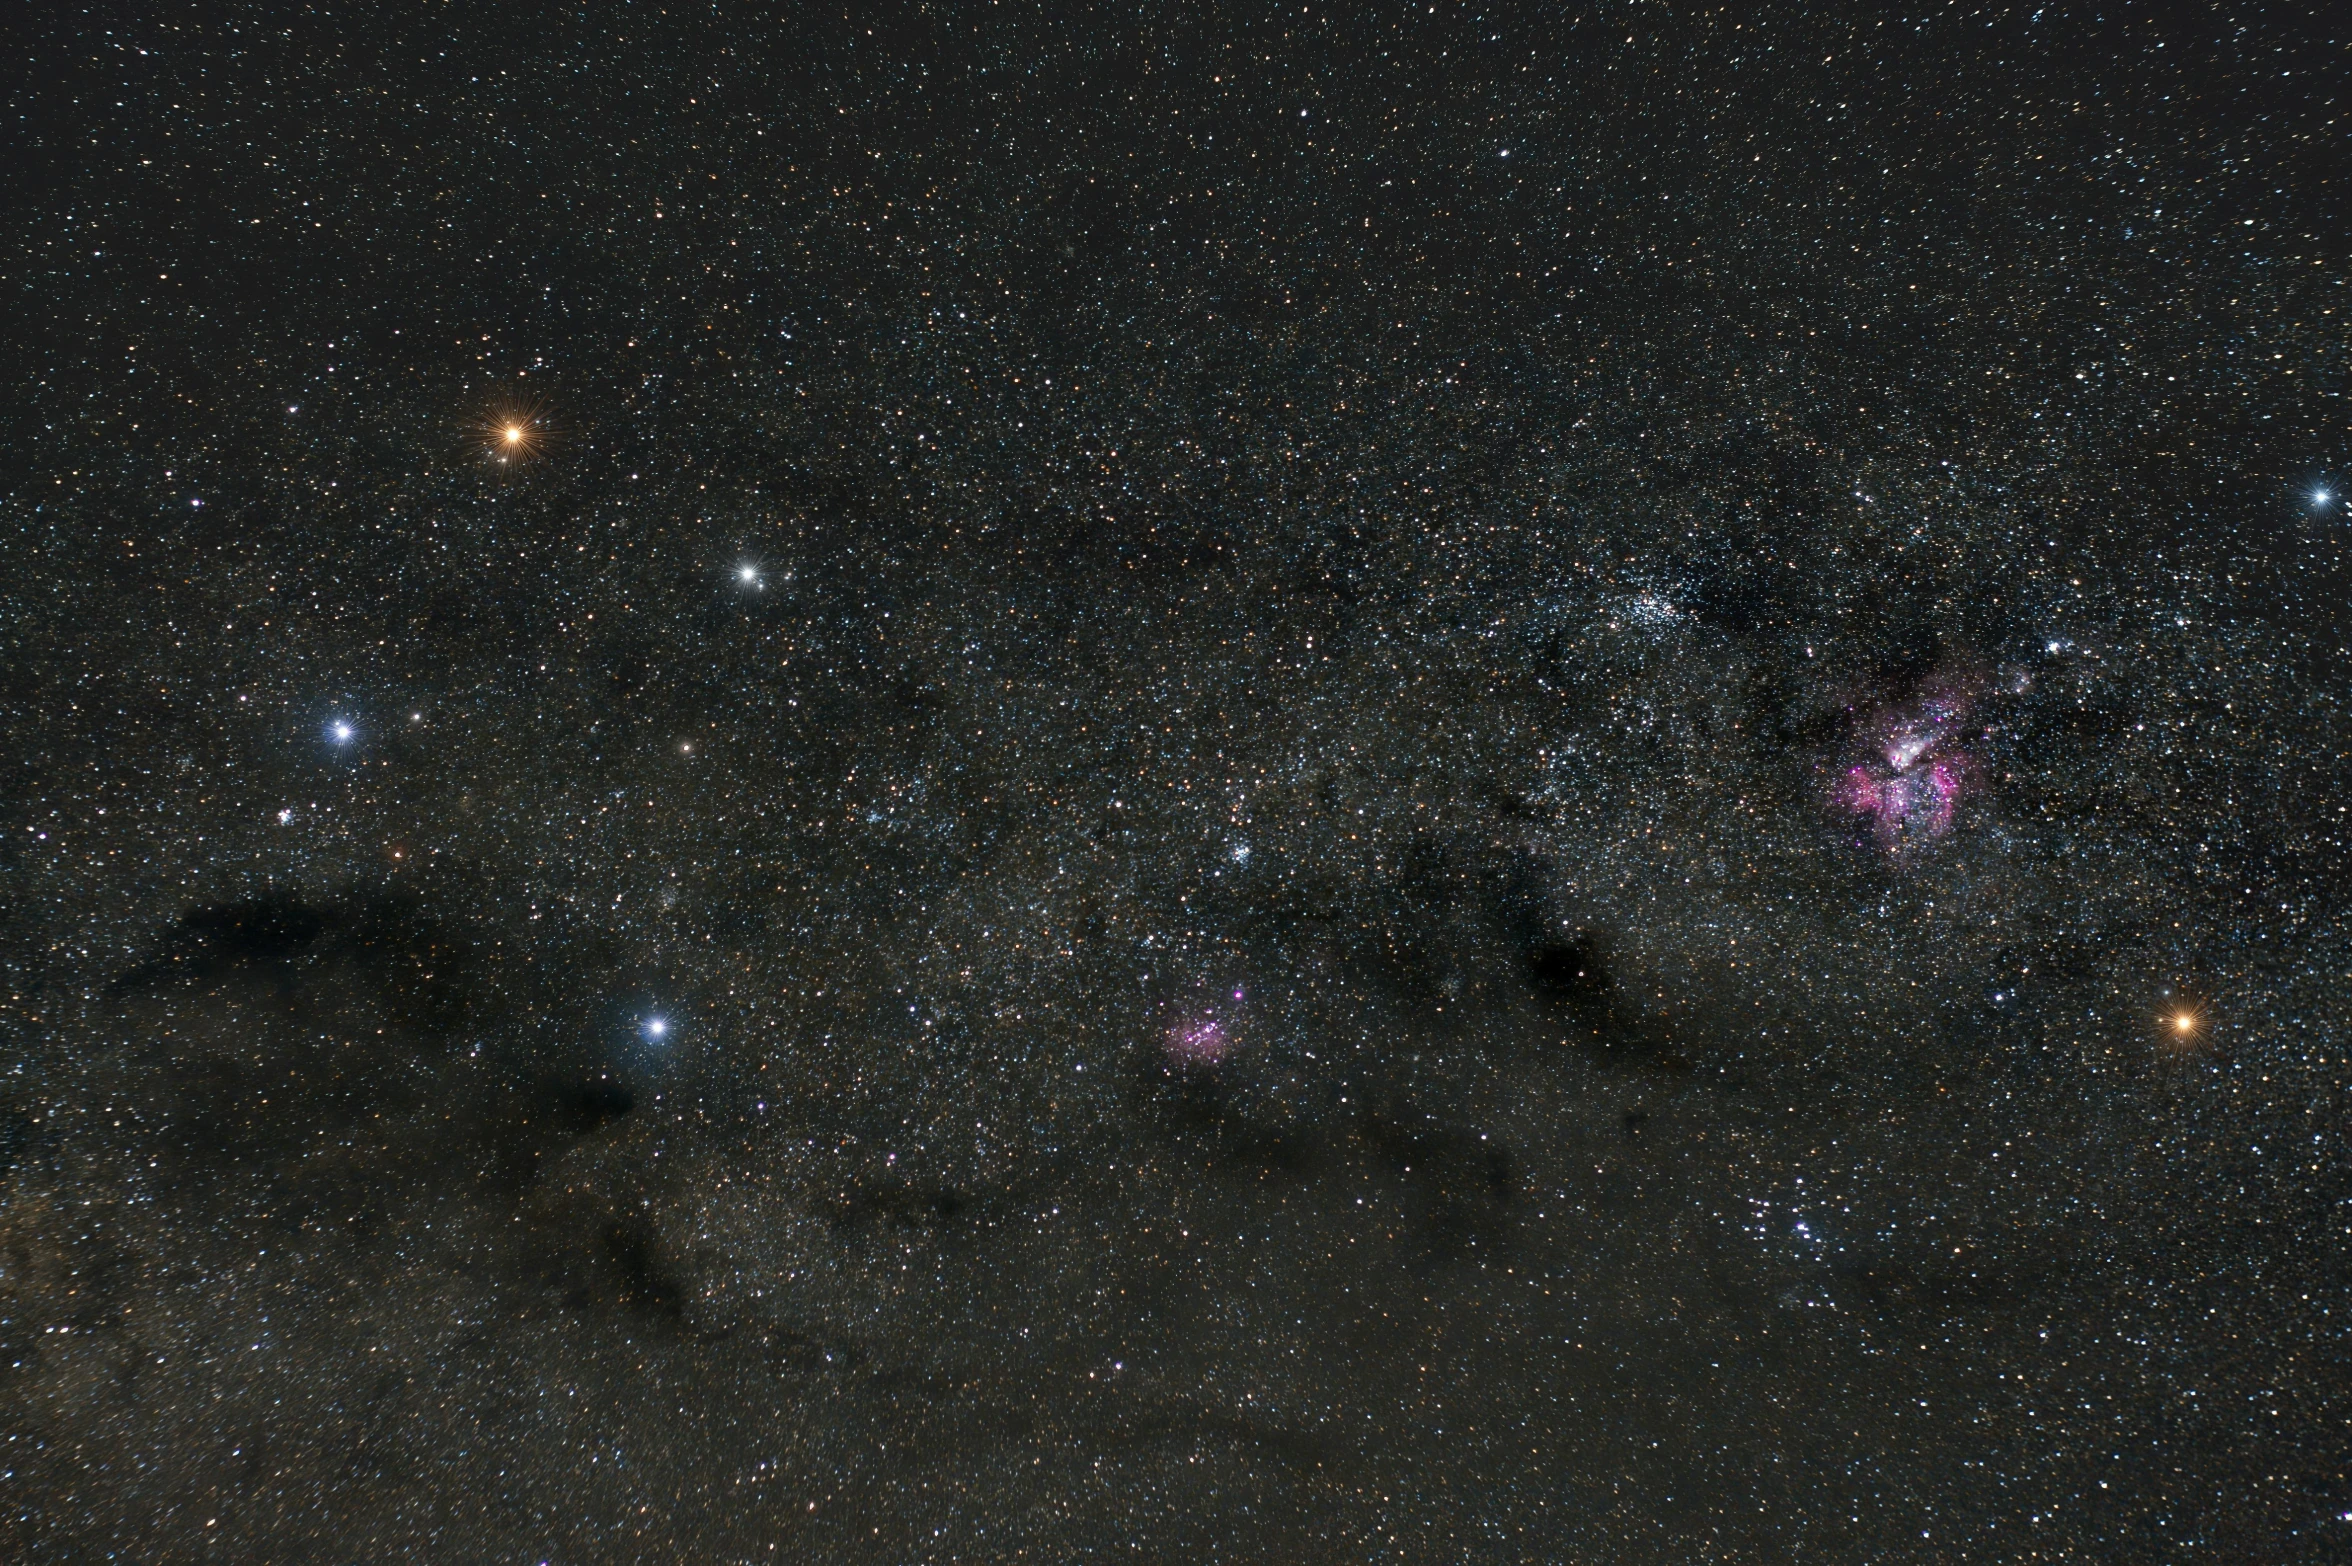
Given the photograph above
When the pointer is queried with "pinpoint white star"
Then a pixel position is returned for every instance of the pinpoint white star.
(656, 1027)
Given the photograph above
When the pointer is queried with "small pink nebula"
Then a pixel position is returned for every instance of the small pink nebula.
(1198, 1041)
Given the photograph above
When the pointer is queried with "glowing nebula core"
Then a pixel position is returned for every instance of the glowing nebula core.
(1911, 781)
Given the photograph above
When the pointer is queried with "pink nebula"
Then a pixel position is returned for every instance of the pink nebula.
(1198, 1041)
(1905, 806)
(1911, 784)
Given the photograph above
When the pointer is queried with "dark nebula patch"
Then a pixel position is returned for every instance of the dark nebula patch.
(642, 1284)
(264, 932)
(408, 965)
(16, 1139)
(882, 1204)
(1571, 973)
(1462, 1186)
(267, 929)
(587, 1105)
(1569, 976)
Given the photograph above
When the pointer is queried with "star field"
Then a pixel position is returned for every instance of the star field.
(980, 783)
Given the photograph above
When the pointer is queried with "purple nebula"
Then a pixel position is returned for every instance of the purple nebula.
(1904, 806)
(1198, 1041)
(1910, 783)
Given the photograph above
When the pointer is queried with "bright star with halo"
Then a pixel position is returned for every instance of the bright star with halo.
(516, 429)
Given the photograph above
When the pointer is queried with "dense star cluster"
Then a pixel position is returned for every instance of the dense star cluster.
(981, 783)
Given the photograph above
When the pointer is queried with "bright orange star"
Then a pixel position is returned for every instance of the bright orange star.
(2183, 1023)
(516, 430)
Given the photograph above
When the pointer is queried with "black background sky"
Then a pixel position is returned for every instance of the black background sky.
(1414, 783)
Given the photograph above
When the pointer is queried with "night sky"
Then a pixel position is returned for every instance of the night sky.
(985, 782)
